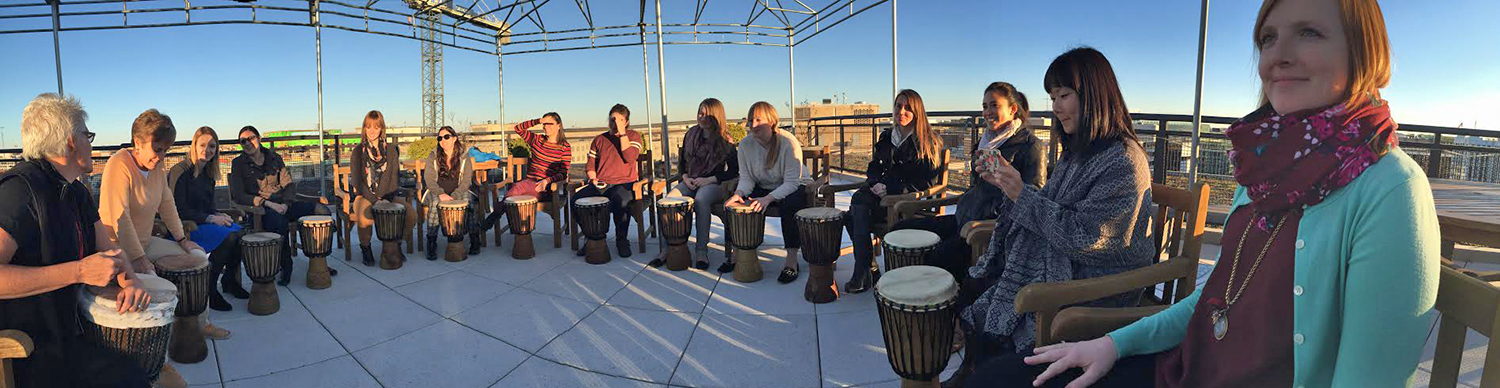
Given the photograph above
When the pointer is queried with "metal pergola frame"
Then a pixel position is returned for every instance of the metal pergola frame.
(492, 29)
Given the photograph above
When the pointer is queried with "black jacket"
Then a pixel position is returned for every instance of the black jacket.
(1027, 154)
(194, 193)
(250, 183)
(386, 184)
(899, 168)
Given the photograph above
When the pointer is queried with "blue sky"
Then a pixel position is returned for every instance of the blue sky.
(1446, 72)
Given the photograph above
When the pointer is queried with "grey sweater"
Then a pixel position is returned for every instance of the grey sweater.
(1091, 219)
(781, 178)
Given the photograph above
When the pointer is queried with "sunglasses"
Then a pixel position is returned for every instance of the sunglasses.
(90, 136)
(247, 141)
(445, 137)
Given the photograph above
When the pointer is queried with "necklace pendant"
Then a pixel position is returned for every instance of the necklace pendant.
(1220, 320)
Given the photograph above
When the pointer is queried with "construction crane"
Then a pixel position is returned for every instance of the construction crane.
(428, 15)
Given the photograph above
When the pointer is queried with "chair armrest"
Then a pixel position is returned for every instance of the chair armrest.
(907, 209)
(1085, 323)
(829, 190)
(1042, 296)
(15, 344)
(310, 198)
(640, 187)
(969, 229)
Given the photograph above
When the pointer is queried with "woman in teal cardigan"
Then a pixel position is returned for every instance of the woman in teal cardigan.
(1330, 263)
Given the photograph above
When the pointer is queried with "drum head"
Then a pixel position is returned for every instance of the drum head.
(98, 305)
(593, 201)
(820, 213)
(520, 199)
(316, 220)
(675, 201)
(180, 262)
(388, 206)
(261, 237)
(743, 207)
(911, 238)
(917, 285)
(453, 203)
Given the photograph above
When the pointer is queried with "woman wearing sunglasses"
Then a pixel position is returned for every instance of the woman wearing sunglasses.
(447, 176)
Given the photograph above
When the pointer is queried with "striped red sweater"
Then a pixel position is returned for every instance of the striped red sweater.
(548, 160)
(612, 158)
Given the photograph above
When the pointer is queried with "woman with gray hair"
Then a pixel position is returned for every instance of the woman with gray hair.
(42, 273)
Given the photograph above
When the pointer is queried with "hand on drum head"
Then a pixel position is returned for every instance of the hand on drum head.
(762, 203)
(382, 202)
(734, 199)
(1095, 356)
(445, 197)
(100, 268)
(188, 246)
(132, 299)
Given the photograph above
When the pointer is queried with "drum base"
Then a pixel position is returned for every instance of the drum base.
(522, 249)
(678, 257)
(456, 252)
(934, 383)
(317, 273)
(820, 285)
(263, 299)
(147, 348)
(747, 265)
(595, 252)
(187, 345)
(390, 255)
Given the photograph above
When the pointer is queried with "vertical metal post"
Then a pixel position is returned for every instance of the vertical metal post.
(56, 45)
(1198, 96)
(322, 147)
(646, 77)
(894, 90)
(661, 92)
(500, 79)
(791, 70)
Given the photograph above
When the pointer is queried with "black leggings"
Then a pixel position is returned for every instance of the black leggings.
(78, 363)
(619, 200)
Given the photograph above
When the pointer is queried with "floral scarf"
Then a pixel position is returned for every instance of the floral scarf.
(704, 152)
(1287, 162)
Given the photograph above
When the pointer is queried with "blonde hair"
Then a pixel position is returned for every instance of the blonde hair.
(928, 142)
(47, 123)
(1369, 48)
(765, 111)
(212, 167)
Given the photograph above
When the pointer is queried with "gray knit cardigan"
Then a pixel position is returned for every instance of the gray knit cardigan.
(1091, 219)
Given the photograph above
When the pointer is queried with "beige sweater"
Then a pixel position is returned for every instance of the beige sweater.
(129, 203)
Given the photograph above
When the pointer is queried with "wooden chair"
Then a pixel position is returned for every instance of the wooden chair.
(489, 194)
(555, 205)
(1178, 229)
(1466, 302)
(646, 190)
(892, 203)
(345, 194)
(817, 161)
(1460, 230)
(13, 344)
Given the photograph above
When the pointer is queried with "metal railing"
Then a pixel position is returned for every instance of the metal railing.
(1444, 152)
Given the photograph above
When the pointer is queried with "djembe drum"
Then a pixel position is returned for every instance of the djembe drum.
(390, 225)
(916, 318)
(822, 228)
(520, 211)
(317, 244)
(262, 252)
(592, 214)
(141, 336)
(747, 230)
(189, 274)
(676, 219)
(907, 247)
(453, 215)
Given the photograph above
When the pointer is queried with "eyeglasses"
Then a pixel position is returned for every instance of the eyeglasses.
(445, 137)
(89, 135)
(247, 141)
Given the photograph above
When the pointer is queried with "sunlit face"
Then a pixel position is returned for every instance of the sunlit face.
(904, 112)
(373, 132)
(447, 138)
(705, 119)
(618, 122)
(206, 147)
(997, 111)
(550, 126)
(1065, 106)
(249, 143)
(1304, 55)
(149, 152)
(764, 129)
(83, 148)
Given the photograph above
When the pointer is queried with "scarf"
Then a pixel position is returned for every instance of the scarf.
(1288, 162)
(374, 164)
(704, 152)
(993, 139)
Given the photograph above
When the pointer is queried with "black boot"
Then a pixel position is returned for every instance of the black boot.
(862, 280)
(366, 256)
(231, 282)
(432, 234)
(623, 245)
(474, 243)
